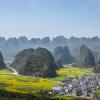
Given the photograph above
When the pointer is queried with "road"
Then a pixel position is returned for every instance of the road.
(15, 72)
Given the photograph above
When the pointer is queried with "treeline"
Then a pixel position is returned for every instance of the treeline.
(6, 95)
(10, 47)
(21, 96)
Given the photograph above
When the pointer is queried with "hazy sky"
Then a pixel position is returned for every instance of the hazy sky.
(39, 18)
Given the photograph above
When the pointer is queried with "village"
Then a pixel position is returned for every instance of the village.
(84, 86)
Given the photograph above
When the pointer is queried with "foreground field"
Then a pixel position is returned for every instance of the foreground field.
(72, 72)
(33, 87)
(4, 95)
(14, 87)
(23, 84)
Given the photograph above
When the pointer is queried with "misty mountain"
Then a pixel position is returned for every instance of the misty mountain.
(10, 47)
(2, 64)
(84, 57)
(62, 56)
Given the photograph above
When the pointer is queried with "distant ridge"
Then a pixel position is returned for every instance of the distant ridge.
(10, 47)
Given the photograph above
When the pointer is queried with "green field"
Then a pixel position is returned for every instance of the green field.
(98, 93)
(30, 85)
(72, 72)
(23, 84)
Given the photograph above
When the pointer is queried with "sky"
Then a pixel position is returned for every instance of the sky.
(40, 18)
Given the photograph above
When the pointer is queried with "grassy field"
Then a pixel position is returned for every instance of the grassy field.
(23, 84)
(98, 93)
(30, 85)
(72, 72)
(27, 84)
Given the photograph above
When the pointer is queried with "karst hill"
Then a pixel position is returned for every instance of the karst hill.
(35, 62)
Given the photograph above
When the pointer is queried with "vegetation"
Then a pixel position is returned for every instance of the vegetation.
(62, 56)
(27, 87)
(24, 84)
(84, 57)
(72, 72)
(81, 98)
(2, 65)
(63, 98)
(12, 46)
(98, 94)
(97, 68)
(5, 95)
(35, 62)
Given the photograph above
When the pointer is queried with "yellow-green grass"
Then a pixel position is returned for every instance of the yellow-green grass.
(23, 84)
(64, 97)
(28, 84)
(5, 71)
(72, 72)
(98, 94)
(70, 98)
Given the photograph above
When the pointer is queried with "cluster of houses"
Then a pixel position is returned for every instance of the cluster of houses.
(85, 86)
